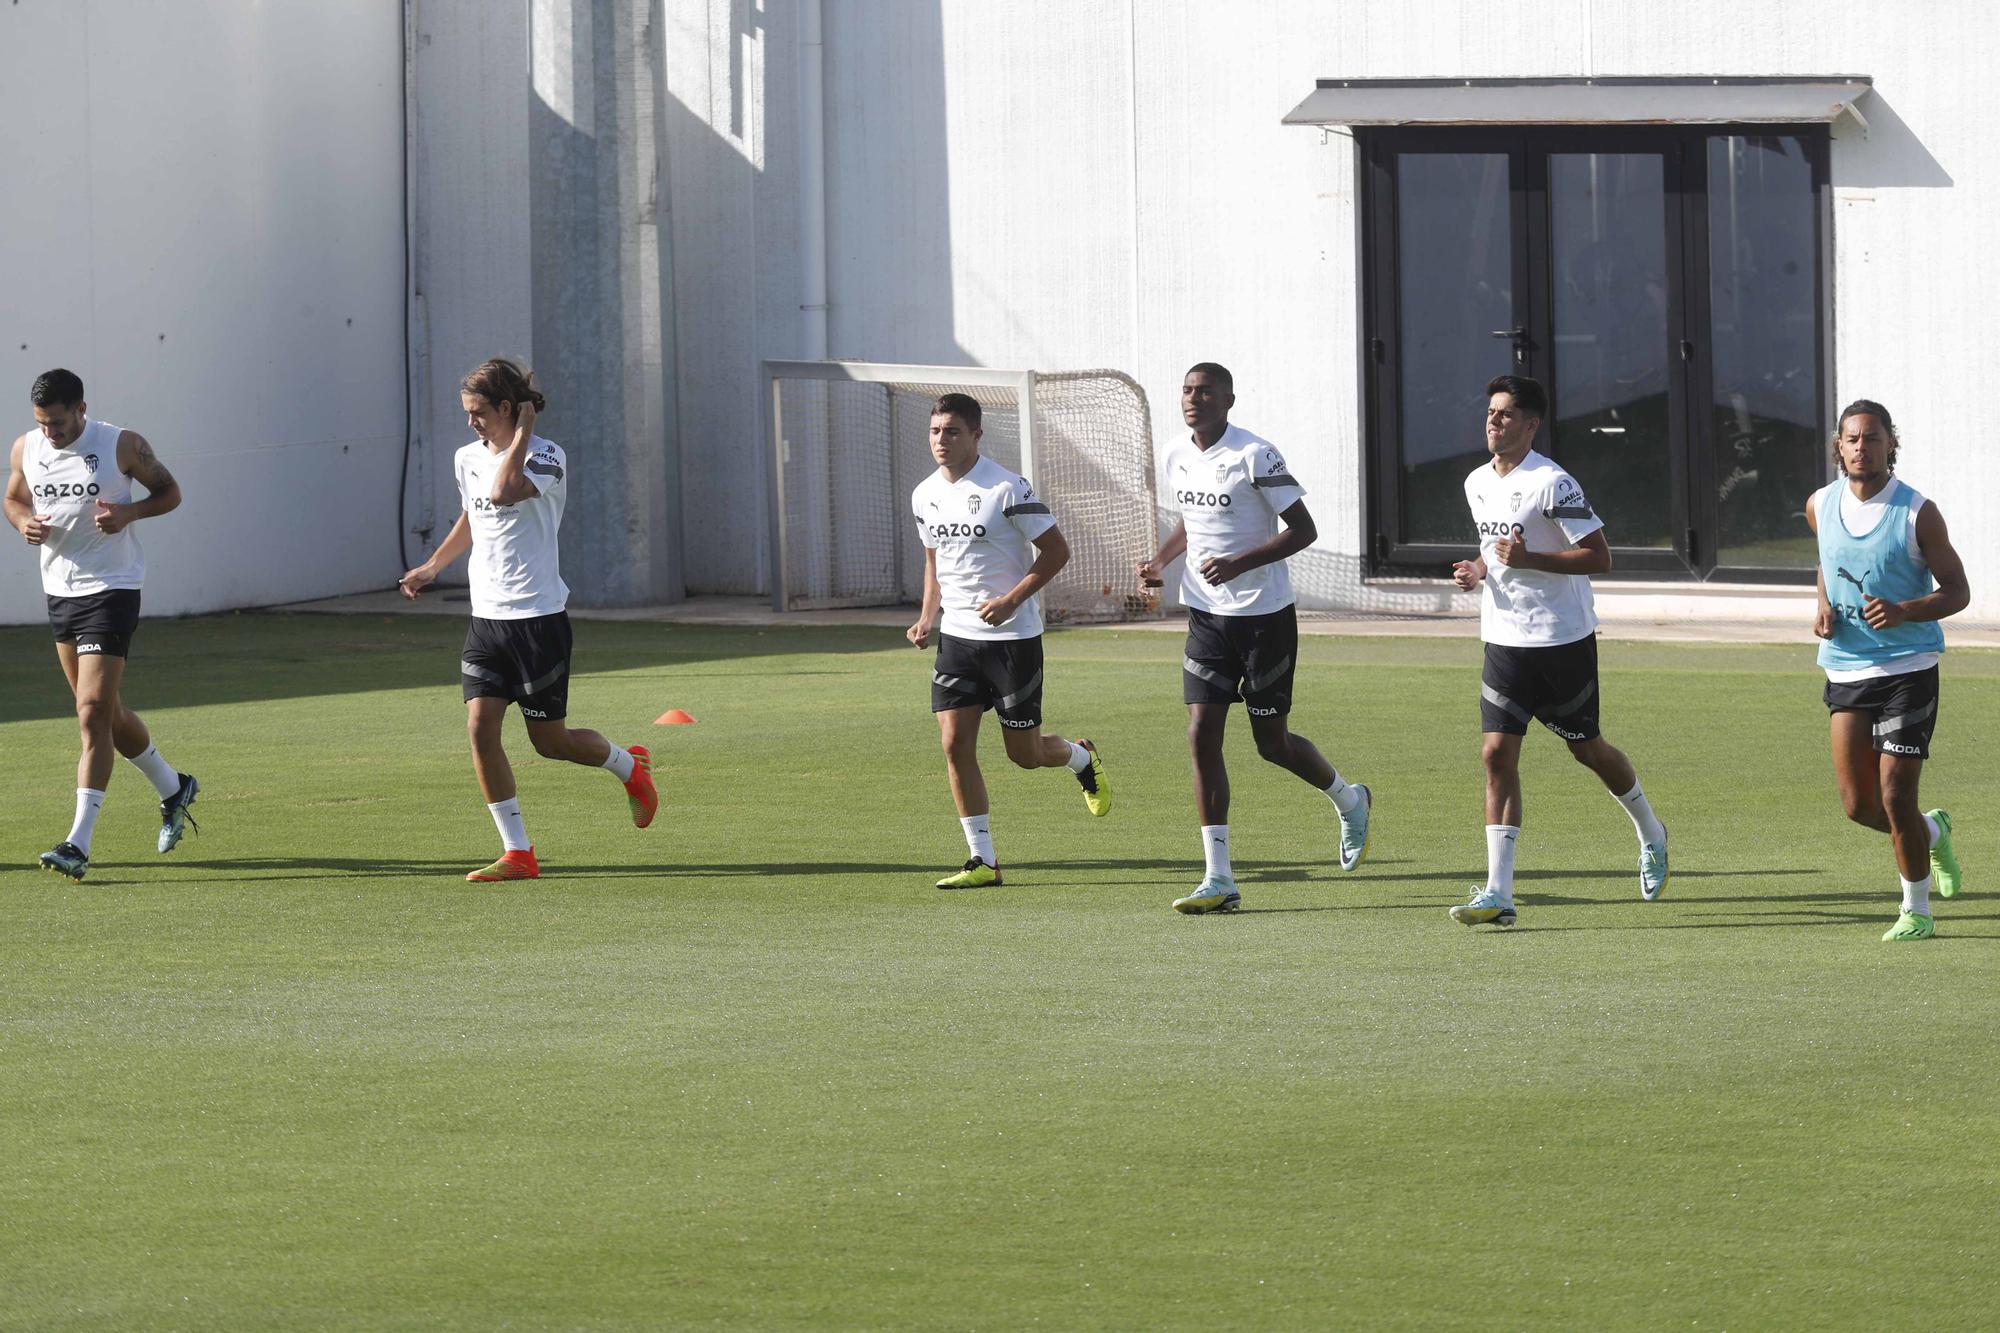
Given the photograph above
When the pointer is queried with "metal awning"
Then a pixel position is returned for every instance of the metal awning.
(1620, 101)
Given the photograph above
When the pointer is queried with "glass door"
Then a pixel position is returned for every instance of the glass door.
(1665, 283)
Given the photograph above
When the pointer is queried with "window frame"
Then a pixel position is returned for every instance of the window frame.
(1695, 508)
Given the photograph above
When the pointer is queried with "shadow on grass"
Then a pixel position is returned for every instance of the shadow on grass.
(196, 661)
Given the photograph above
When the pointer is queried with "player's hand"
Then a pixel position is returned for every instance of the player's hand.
(112, 518)
(997, 611)
(524, 418)
(1150, 574)
(918, 634)
(36, 529)
(413, 582)
(1509, 549)
(1468, 574)
(1219, 569)
(1883, 615)
(1823, 619)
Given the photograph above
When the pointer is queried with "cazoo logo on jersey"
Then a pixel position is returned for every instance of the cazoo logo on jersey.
(1203, 499)
(65, 490)
(940, 531)
(1494, 527)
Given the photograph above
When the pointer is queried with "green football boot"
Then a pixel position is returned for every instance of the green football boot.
(1911, 926)
(976, 875)
(1944, 861)
(1096, 787)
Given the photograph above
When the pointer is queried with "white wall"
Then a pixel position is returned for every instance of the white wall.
(203, 219)
(1053, 185)
(472, 258)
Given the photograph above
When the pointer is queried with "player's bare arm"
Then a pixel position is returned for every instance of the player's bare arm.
(919, 634)
(455, 544)
(137, 460)
(1299, 533)
(1152, 573)
(510, 481)
(1592, 555)
(1822, 608)
(20, 501)
(1051, 554)
(1953, 593)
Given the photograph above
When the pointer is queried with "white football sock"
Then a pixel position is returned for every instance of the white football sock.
(1931, 825)
(507, 818)
(1344, 796)
(620, 762)
(1500, 843)
(1215, 847)
(1079, 758)
(979, 836)
(165, 779)
(1917, 895)
(1648, 824)
(89, 800)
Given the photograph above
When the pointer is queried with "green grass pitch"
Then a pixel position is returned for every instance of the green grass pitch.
(748, 1067)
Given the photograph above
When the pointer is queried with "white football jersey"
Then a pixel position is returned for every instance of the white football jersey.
(1229, 496)
(1541, 506)
(77, 559)
(515, 565)
(983, 527)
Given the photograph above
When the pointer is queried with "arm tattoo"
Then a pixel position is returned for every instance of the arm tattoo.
(147, 469)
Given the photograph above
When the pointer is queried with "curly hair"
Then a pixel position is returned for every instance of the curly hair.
(1864, 407)
(502, 381)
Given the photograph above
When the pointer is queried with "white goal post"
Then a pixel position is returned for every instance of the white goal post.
(849, 440)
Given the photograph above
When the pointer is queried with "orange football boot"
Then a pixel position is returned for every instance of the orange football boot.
(639, 790)
(511, 865)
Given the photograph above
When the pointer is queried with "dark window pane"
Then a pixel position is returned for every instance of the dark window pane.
(1608, 266)
(1455, 286)
(1769, 456)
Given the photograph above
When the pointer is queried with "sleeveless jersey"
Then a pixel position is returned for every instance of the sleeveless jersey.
(1881, 564)
(77, 559)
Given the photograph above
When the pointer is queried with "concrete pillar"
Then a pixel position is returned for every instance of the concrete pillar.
(602, 294)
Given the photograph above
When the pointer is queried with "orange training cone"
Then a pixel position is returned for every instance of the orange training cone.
(673, 717)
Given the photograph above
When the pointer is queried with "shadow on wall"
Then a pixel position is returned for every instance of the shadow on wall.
(1887, 155)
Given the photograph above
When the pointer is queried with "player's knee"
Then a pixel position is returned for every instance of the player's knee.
(1497, 755)
(1024, 756)
(551, 743)
(1862, 808)
(1275, 749)
(94, 717)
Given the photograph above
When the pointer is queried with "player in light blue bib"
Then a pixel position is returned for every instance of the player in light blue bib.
(1887, 576)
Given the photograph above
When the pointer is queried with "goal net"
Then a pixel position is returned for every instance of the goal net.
(850, 440)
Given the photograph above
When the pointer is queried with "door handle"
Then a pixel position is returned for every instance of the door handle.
(1519, 335)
